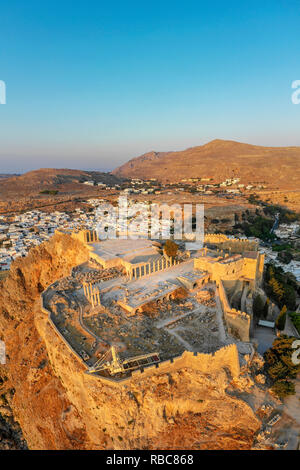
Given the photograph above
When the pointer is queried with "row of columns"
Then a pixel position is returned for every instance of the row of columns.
(204, 251)
(91, 293)
(91, 236)
(151, 267)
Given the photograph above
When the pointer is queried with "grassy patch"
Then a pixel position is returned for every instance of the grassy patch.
(295, 317)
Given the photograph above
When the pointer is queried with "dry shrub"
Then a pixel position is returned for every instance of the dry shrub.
(179, 294)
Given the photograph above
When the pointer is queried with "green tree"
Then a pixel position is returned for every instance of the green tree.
(283, 388)
(290, 297)
(281, 319)
(258, 306)
(171, 248)
(266, 308)
(280, 367)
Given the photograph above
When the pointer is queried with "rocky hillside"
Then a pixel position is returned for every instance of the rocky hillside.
(50, 189)
(60, 407)
(63, 180)
(220, 159)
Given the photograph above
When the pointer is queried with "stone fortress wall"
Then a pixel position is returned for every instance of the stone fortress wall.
(64, 340)
(237, 267)
(237, 322)
(246, 267)
(225, 358)
(234, 245)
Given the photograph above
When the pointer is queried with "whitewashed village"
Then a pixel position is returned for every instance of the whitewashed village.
(20, 232)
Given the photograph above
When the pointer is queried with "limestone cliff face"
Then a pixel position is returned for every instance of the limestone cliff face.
(27, 358)
(60, 407)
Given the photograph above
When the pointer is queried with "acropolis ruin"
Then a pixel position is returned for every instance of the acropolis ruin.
(131, 309)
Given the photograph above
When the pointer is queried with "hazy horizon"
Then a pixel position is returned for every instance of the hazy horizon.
(107, 170)
(92, 85)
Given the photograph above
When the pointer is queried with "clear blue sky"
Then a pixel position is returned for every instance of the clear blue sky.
(91, 84)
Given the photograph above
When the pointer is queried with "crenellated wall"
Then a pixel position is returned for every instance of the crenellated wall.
(224, 358)
(238, 323)
(235, 245)
(233, 267)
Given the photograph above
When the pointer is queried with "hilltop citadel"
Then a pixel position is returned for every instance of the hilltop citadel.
(131, 309)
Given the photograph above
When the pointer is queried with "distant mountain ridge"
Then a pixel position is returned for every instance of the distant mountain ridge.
(49, 178)
(30, 189)
(218, 159)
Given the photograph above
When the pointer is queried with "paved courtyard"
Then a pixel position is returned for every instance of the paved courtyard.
(265, 337)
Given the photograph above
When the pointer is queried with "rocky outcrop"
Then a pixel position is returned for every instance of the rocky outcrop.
(59, 406)
(28, 369)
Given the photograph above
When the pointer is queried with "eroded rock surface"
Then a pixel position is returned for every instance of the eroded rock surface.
(58, 406)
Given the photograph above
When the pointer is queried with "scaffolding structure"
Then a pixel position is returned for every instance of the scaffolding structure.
(112, 363)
